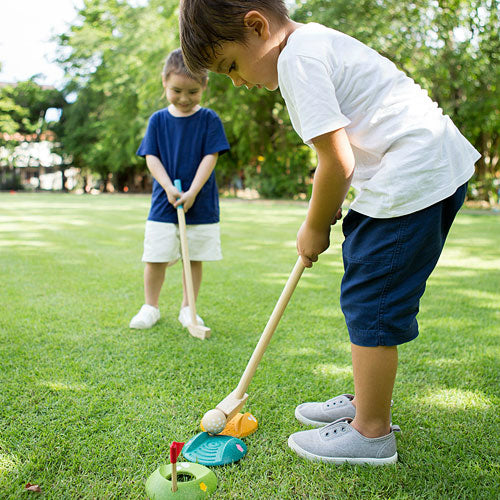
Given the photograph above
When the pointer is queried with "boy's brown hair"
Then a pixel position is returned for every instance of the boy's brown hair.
(205, 24)
(174, 64)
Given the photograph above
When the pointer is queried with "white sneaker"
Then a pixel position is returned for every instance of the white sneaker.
(145, 318)
(185, 317)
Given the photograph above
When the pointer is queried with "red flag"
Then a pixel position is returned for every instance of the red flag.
(175, 449)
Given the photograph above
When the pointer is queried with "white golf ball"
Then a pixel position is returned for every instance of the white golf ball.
(214, 421)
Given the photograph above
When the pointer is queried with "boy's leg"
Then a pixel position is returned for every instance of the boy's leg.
(387, 263)
(374, 370)
(204, 245)
(154, 275)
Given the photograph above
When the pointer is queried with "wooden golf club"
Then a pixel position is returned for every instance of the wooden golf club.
(233, 403)
(196, 330)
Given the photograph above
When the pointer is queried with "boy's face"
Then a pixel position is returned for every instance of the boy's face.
(247, 66)
(183, 93)
(254, 64)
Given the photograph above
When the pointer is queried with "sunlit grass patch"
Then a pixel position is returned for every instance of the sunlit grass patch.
(7, 463)
(457, 399)
(332, 370)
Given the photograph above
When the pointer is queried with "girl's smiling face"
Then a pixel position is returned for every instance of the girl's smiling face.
(183, 93)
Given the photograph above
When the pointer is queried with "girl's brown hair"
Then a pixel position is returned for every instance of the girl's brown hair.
(174, 64)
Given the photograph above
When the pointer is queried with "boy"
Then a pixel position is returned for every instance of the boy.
(373, 127)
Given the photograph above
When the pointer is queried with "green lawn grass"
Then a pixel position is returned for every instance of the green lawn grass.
(88, 408)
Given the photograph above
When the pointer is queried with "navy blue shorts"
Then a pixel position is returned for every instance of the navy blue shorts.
(387, 263)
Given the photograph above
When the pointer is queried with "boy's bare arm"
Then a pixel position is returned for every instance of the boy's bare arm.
(159, 173)
(204, 171)
(330, 186)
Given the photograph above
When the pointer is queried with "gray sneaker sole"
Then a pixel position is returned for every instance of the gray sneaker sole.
(340, 460)
(307, 421)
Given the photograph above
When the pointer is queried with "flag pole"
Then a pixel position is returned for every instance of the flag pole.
(175, 449)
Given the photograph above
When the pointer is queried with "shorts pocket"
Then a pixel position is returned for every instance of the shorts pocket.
(369, 240)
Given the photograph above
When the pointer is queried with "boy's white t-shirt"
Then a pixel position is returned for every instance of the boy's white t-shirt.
(408, 154)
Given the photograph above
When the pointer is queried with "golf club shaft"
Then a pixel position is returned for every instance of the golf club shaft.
(188, 278)
(268, 332)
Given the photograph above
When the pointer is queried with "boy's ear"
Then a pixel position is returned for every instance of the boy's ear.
(258, 24)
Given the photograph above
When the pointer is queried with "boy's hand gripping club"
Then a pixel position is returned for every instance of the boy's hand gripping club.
(196, 330)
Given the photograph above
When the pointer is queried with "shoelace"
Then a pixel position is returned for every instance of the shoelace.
(348, 420)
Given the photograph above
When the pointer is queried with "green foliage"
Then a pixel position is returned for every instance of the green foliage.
(265, 150)
(11, 114)
(113, 66)
(23, 107)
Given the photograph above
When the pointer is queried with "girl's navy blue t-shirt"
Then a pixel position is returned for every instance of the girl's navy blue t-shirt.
(180, 143)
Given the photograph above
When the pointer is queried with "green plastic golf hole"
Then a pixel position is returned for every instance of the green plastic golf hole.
(194, 481)
(182, 477)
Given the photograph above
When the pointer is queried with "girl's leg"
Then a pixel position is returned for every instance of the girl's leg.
(196, 273)
(154, 275)
(374, 370)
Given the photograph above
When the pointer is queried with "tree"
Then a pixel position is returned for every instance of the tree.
(23, 106)
(465, 81)
(113, 66)
(11, 115)
(265, 150)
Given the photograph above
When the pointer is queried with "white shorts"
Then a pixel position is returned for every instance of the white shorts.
(162, 242)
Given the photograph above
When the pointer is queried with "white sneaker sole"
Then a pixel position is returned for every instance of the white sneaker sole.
(141, 325)
(340, 460)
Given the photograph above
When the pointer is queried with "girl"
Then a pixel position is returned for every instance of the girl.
(183, 142)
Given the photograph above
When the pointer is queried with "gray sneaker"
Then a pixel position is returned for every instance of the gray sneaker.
(320, 414)
(339, 443)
